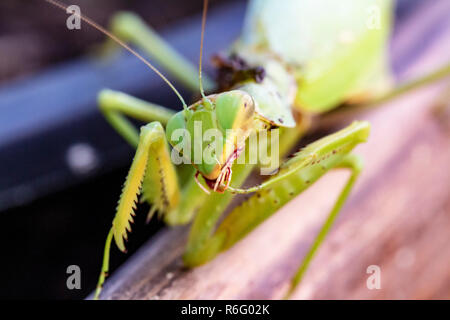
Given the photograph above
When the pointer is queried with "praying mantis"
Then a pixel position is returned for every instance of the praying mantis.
(275, 78)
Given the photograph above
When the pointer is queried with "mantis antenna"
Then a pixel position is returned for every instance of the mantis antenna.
(205, 10)
(121, 43)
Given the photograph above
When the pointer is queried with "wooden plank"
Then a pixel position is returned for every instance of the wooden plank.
(398, 217)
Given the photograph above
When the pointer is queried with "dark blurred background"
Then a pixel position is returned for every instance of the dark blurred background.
(31, 37)
(68, 225)
(55, 213)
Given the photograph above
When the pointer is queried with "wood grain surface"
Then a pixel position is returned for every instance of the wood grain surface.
(397, 218)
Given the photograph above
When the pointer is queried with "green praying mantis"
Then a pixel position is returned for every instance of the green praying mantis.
(294, 59)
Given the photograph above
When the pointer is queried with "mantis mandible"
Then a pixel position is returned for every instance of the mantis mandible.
(275, 77)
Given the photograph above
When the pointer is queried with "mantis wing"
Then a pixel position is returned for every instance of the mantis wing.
(338, 48)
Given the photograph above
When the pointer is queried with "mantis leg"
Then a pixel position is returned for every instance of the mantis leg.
(354, 163)
(131, 28)
(193, 198)
(116, 105)
(312, 154)
(298, 173)
(153, 172)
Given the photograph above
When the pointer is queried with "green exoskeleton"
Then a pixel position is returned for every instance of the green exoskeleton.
(294, 59)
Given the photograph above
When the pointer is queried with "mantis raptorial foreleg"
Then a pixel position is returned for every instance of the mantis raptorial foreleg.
(152, 171)
(131, 28)
(297, 174)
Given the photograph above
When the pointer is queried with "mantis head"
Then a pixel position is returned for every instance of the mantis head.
(211, 133)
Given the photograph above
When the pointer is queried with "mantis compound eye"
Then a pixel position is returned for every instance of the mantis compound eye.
(235, 110)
